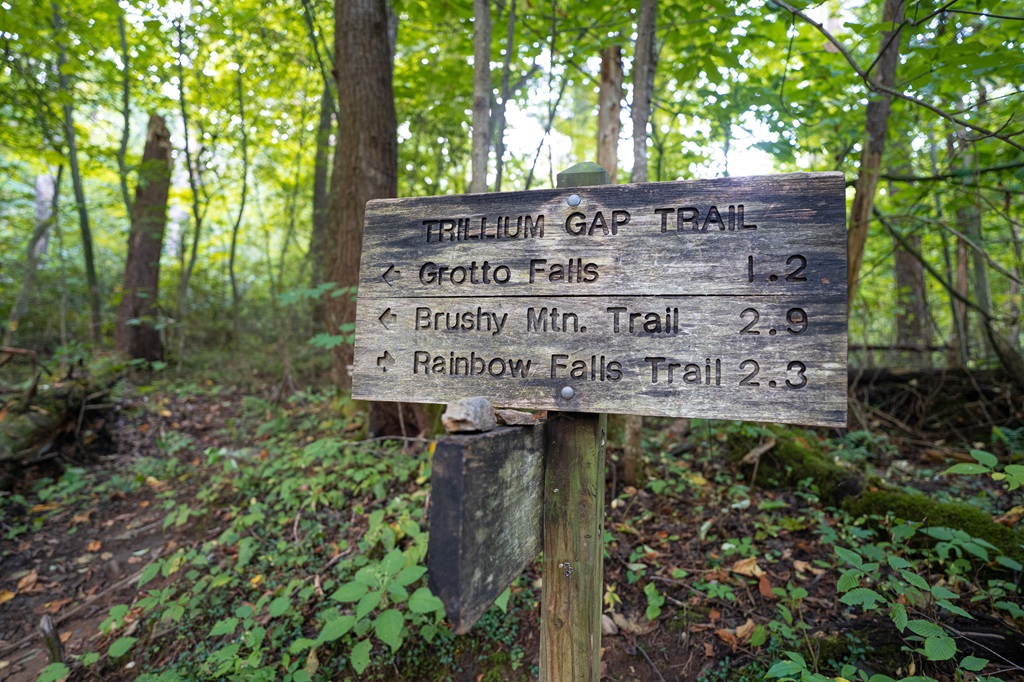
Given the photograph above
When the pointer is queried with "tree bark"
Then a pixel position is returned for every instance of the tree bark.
(236, 228)
(481, 94)
(506, 91)
(913, 328)
(193, 182)
(876, 129)
(47, 201)
(365, 157)
(609, 111)
(126, 116)
(95, 321)
(321, 172)
(137, 334)
(645, 63)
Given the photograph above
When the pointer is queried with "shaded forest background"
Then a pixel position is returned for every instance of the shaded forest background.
(914, 102)
(183, 184)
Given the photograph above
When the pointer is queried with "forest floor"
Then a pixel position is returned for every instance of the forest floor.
(202, 531)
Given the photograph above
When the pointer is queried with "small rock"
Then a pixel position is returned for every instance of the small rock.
(515, 418)
(469, 415)
(608, 626)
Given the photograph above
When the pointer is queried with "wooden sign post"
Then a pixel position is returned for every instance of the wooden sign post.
(710, 298)
(573, 567)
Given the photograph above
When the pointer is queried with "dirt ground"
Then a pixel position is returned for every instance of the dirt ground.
(74, 564)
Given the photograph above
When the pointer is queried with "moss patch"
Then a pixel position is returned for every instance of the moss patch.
(913, 507)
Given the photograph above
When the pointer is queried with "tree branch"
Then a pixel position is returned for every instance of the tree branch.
(872, 85)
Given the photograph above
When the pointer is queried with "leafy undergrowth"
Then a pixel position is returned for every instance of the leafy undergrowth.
(285, 548)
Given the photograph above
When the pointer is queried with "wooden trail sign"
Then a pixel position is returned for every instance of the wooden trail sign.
(710, 298)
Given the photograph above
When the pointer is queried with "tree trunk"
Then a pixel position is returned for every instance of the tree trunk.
(365, 157)
(137, 334)
(913, 328)
(499, 126)
(193, 182)
(970, 219)
(645, 63)
(126, 116)
(235, 296)
(321, 171)
(95, 322)
(481, 94)
(609, 111)
(871, 158)
(47, 197)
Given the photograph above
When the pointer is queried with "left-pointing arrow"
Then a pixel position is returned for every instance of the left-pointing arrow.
(392, 272)
(387, 318)
(385, 361)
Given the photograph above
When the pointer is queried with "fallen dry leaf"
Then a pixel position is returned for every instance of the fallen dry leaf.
(714, 614)
(6, 596)
(634, 627)
(28, 582)
(764, 586)
(727, 636)
(709, 651)
(94, 546)
(37, 508)
(747, 567)
(54, 606)
(165, 413)
(81, 518)
(744, 631)
(1011, 517)
(65, 636)
(804, 567)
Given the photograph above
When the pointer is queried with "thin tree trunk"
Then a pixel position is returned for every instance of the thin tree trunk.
(137, 334)
(645, 63)
(321, 173)
(609, 111)
(964, 331)
(47, 202)
(969, 217)
(958, 338)
(876, 129)
(235, 296)
(499, 137)
(193, 182)
(1015, 287)
(913, 326)
(122, 151)
(481, 94)
(92, 280)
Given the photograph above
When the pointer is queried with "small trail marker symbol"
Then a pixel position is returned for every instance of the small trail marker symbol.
(387, 318)
(391, 269)
(385, 361)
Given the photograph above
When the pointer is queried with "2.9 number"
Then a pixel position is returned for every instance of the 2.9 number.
(796, 317)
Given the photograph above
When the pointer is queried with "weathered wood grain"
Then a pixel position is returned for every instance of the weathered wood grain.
(573, 566)
(531, 365)
(793, 260)
(800, 214)
(485, 517)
